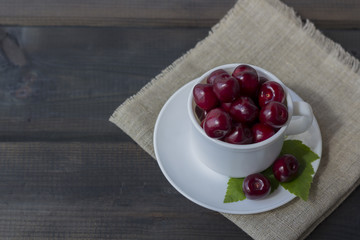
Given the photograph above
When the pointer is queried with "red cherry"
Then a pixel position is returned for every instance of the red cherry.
(248, 80)
(226, 89)
(256, 186)
(244, 110)
(240, 134)
(204, 96)
(243, 68)
(261, 132)
(274, 114)
(217, 73)
(271, 91)
(285, 168)
(217, 123)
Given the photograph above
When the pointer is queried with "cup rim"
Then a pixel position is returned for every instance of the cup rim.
(230, 67)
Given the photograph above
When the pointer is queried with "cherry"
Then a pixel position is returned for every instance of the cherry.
(204, 96)
(240, 134)
(217, 123)
(243, 68)
(221, 73)
(261, 132)
(274, 114)
(248, 80)
(285, 168)
(271, 91)
(226, 89)
(244, 110)
(256, 186)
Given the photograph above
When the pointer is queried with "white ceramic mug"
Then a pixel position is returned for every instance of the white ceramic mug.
(241, 160)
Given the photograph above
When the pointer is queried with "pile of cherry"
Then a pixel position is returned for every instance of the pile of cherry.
(241, 108)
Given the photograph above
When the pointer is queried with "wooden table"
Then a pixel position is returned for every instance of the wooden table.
(66, 172)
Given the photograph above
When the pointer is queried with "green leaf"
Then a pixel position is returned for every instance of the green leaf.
(300, 186)
(234, 190)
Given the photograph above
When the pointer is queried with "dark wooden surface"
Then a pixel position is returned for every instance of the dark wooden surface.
(186, 13)
(68, 173)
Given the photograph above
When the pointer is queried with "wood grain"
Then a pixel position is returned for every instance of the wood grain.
(72, 86)
(113, 13)
(329, 14)
(200, 13)
(77, 190)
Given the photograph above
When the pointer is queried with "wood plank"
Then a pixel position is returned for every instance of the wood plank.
(332, 14)
(72, 86)
(113, 13)
(325, 14)
(79, 190)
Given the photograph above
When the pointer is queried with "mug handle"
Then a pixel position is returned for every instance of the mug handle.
(301, 120)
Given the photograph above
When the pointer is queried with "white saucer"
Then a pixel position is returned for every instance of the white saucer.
(193, 179)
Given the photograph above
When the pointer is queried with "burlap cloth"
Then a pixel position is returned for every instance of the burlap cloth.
(268, 34)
